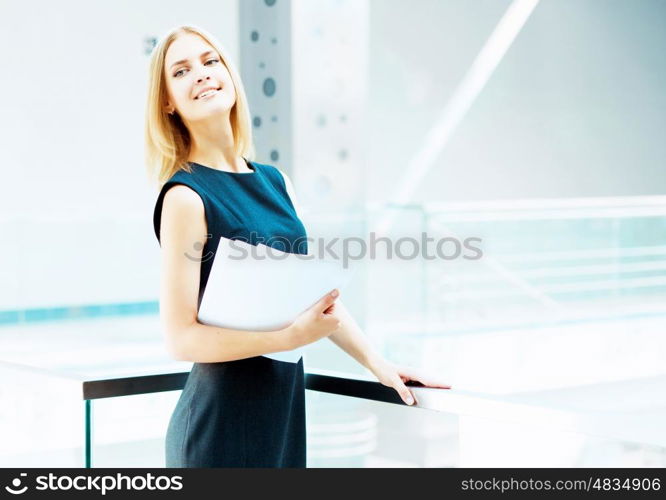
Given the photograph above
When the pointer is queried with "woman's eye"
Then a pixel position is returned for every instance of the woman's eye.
(181, 70)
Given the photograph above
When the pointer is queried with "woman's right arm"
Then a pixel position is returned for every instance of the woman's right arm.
(183, 223)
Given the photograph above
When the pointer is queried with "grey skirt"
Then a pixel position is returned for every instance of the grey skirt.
(244, 413)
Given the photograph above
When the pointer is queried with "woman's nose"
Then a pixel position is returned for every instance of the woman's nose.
(201, 78)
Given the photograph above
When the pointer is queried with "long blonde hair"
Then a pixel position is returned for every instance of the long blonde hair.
(167, 140)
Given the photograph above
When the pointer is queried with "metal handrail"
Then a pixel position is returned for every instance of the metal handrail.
(321, 381)
(514, 408)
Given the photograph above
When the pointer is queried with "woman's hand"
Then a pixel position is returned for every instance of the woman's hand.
(395, 376)
(315, 323)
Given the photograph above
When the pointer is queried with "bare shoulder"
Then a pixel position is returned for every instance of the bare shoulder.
(183, 197)
(183, 210)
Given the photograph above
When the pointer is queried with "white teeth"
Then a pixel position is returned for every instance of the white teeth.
(206, 93)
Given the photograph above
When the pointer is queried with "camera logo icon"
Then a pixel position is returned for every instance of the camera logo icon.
(16, 483)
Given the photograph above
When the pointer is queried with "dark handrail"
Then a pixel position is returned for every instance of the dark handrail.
(330, 382)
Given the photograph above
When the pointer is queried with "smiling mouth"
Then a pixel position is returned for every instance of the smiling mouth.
(208, 93)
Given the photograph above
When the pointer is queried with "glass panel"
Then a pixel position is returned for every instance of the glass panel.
(129, 431)
(41, 420)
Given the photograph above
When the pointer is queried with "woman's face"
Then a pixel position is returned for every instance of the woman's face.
(191, 66)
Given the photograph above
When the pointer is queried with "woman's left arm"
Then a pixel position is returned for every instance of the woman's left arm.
(350, 338)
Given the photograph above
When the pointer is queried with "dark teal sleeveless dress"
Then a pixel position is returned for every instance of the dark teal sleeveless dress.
(248, 412)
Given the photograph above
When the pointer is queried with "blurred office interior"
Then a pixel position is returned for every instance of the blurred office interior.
(533, 125)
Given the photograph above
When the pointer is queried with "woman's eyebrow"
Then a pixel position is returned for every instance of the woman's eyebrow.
(185, 60)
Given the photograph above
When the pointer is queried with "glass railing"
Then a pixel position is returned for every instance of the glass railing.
(566, 302)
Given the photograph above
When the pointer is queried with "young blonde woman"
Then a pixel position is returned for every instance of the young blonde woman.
(243, 404)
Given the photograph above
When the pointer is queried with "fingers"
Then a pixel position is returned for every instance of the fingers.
(404, 392)
(328, 300)
(440, 385)
(330, 309)
(434, 382)
(426, 378)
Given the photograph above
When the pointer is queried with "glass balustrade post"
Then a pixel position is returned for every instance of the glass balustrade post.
(88, 405)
